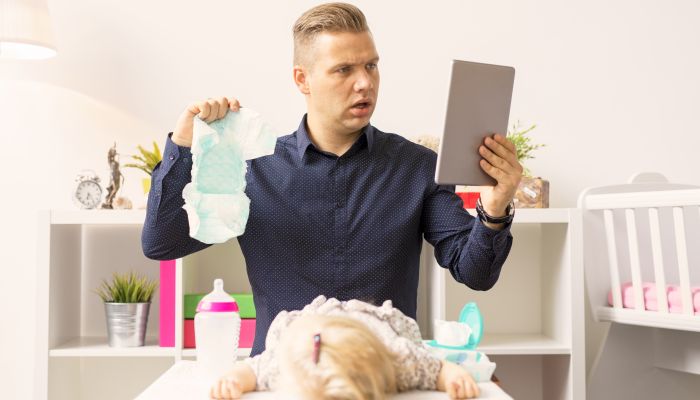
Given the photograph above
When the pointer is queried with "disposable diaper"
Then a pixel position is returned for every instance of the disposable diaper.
(216, 204)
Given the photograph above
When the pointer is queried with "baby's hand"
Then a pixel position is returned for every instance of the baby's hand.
(228, 387)
(458, 383)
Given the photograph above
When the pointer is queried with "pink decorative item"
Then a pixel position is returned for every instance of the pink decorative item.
(469, 198)
(650, 300)
(247, 333)
(218, 307)
(245, 341)
(674, 296)
(167, 304)
(648, 289)
(189, 342)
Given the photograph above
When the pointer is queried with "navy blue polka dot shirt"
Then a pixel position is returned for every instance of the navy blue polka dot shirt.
(349, 227)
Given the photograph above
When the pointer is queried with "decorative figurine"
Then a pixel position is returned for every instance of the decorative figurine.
(116, 178)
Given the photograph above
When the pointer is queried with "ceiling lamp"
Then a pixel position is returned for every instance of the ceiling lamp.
(25, 30)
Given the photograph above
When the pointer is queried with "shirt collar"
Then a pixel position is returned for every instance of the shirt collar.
(303, 140)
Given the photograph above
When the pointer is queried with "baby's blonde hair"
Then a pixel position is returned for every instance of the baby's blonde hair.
(353, 363)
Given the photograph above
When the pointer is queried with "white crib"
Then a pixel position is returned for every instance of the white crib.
(646, 231)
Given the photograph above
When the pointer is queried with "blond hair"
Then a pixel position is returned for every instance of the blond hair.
(330, 17)
(353, 364)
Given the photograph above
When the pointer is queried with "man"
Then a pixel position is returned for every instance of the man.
(340, 208)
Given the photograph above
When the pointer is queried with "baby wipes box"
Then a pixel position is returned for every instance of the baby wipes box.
(456, 341)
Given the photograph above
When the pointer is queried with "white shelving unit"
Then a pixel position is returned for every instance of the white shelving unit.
(79, 248)
(533, 316)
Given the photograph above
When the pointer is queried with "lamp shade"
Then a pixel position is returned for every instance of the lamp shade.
(25, 30)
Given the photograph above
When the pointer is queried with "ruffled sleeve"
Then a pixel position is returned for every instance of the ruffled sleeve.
(416, 368)
(265, 364)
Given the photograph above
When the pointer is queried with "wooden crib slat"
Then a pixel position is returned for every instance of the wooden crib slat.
(657, 256)
(682, 253)
(634, 260)
(612, 259)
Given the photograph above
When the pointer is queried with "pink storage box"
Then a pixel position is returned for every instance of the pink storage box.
(245, 341)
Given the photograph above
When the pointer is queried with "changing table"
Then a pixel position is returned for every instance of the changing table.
(180, 382)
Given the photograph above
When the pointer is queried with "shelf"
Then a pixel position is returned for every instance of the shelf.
(538, 215)
(652, 319)
(136, 217)
(521, 344)
(242, 352)
(96, 217)
(98, 347)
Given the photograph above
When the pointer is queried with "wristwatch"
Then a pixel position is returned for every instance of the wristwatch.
(485, 217)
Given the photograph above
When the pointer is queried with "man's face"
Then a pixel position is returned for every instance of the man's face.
(343, 80)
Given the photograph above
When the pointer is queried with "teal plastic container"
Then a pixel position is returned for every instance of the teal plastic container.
(471, 316)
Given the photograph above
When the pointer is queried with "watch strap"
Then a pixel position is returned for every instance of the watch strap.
(485, 217)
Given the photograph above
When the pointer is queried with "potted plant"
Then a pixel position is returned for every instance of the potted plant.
(127, 300)
(533, 192)
(146, 162)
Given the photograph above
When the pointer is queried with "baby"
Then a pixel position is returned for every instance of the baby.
(344, 350)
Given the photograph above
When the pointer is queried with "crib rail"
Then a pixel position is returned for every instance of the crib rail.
(632, 204)
(659, 198)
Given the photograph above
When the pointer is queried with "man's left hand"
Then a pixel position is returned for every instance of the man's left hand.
(501, 163)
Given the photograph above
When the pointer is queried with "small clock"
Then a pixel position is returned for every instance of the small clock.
(88, 193)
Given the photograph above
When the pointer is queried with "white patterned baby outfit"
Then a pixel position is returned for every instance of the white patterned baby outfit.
(416, 368)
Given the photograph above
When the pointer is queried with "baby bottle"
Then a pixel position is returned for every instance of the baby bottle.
(217, 326)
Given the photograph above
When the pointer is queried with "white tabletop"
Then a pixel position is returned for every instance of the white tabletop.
(181, 382)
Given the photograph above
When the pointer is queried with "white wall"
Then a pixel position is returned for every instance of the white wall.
(613, 87)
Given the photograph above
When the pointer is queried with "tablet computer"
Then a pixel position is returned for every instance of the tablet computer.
(478, 105)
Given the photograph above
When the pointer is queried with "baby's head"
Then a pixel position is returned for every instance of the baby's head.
(353, 364)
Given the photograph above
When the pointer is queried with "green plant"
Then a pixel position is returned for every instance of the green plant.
(523, 144)
(147, 160)
(127, 288)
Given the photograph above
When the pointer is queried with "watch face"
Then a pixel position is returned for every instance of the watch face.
(88, 194)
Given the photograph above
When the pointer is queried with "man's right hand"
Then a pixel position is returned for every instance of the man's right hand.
(208, 111)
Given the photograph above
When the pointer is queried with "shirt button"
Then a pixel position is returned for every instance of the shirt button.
(171, 157)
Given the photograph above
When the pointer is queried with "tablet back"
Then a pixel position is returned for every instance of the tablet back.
(478, 105)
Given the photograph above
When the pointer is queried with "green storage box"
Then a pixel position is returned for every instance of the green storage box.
(245, 304)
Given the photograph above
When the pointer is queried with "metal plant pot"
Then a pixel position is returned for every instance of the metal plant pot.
(126, 323)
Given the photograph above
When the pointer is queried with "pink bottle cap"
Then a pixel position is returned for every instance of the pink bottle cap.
(218, 300)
